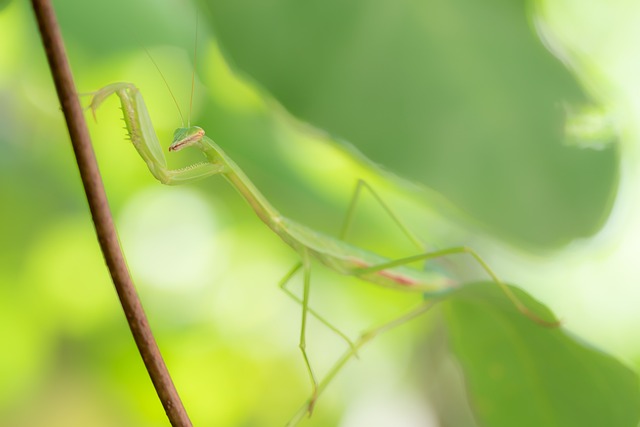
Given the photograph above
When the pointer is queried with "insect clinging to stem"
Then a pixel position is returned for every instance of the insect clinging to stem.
(334, 253)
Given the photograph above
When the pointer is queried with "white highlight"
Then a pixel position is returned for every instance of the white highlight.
(402, 409)
(169, 236)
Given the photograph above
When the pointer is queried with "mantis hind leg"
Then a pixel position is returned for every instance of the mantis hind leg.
(429, 255)
(455, 251)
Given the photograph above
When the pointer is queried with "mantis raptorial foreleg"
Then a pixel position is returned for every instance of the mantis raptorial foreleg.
(144, 139)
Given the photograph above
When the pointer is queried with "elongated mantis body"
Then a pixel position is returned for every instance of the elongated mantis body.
(334, 253)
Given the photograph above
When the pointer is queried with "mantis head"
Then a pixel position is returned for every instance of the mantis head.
(186, 137)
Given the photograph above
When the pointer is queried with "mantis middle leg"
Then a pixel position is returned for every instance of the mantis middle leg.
(367, 336)
(348, 221)
(283, 285)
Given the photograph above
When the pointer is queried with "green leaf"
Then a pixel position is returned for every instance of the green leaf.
(521, 374)
(458, 95)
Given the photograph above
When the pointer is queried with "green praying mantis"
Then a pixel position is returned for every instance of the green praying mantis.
(334, 253)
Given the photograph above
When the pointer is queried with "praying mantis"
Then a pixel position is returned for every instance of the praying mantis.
(334, 253)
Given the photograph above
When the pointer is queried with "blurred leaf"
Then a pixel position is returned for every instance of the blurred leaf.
(109, 27)
(460, 96)
(4, 3)
(519, 373)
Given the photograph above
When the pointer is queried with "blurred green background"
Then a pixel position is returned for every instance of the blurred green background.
(445, 95)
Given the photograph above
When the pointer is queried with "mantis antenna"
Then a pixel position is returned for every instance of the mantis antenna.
(168, 87)
(193, 79)
(193, 73)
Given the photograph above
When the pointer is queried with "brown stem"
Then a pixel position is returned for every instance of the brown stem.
(105, 229)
